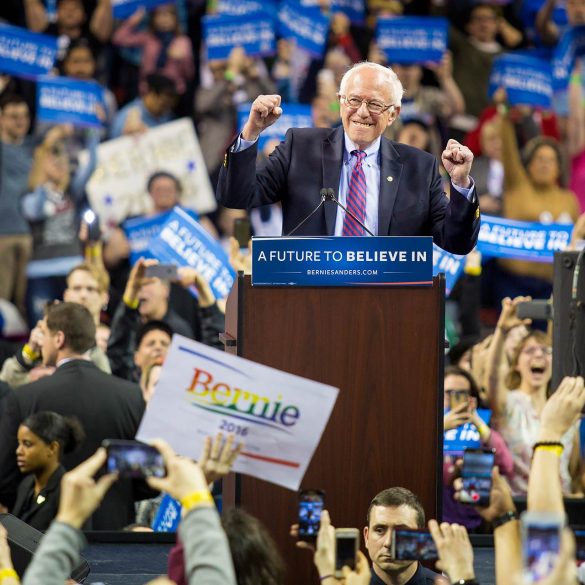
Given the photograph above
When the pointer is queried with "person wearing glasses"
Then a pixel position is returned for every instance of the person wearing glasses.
(518, 400)
(392, 188)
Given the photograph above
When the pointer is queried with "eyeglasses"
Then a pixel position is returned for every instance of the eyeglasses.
(535, 348)
(374, 107)
(458, 393)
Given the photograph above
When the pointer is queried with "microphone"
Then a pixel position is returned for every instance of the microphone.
(330, 196)
(323, 193)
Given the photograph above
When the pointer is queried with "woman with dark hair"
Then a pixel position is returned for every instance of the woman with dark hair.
(518, 402)
(461, 399)
(43, 438)
(254, 554)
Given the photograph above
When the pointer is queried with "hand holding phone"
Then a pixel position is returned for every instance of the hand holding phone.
(133, 459)
(476, 475)
(311, 504)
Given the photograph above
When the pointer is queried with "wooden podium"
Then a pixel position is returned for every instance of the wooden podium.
(383, 347)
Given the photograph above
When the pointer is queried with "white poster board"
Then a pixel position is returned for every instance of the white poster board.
(117, 188)
(279, 417)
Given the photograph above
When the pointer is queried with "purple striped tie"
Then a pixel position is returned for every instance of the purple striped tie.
(356, 197)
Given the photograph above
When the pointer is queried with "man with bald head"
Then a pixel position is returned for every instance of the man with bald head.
(394, 189)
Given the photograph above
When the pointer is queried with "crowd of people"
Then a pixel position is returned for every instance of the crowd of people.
(91, 318)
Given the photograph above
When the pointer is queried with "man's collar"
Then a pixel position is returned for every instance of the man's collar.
(83, 358)
(370, 150)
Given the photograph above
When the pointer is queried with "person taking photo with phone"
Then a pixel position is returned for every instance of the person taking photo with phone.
(43, 439)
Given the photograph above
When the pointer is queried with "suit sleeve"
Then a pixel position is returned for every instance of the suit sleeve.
(455, 219)
(242, 185)
(10, 418)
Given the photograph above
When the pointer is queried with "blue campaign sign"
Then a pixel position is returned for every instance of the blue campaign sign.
(450, 264)
(122, 9)
(527, 80)
(253, 32)
(522, 240)
(293, 116)
(412, 39)
(355, 10)
(61, 100)
(341, 261)
(184, 242)
(455, 441)
(308, 26)
(570, 46)
(140, 230)
(168, 515)
(241, 7)
(24, 53)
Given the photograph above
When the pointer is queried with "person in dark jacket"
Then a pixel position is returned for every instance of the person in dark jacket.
(43, 438)
(107, 407)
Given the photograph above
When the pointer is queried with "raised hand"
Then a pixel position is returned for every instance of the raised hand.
(264, 112)
(457, 160)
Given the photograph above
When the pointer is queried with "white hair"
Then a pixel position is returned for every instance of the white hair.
(389, 77)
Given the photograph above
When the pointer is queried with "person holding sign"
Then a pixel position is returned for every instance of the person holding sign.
(392, 188)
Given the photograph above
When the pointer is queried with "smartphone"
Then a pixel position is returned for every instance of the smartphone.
(579, 532)
(94, 232)
(477, 476)
(133, 459)
(347, 543)
(541, 543)
(162, 271)
(536, 310)
(458, 397)
(413, 545)
(311, 504)
(242, 231)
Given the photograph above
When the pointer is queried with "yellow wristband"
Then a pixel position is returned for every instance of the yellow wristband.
(7, 573)
(131, 303)
(472, 270)
(196, 499)
(558, 449)
(30, 354)
(93, 251)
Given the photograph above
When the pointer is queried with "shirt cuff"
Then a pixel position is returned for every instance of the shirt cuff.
(467, 193)
(241, 144)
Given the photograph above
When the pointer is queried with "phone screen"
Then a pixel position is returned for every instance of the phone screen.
(413, 545)
(541, 544)
(134, 460)
(477, 477)
(310, 508)
(346, 546)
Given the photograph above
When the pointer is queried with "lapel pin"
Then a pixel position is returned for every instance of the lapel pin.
(389, 179)
(40, 499)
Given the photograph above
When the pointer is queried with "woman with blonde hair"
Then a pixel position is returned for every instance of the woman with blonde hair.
(517, 403)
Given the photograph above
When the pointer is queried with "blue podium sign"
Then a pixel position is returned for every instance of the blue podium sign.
(342, 261)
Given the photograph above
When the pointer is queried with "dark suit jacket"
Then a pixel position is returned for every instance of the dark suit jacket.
(108, 408)
(35, 514)
(412, 201)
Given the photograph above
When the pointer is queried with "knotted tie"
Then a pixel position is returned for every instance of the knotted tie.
(356, 197)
